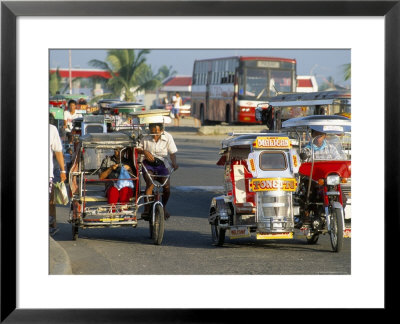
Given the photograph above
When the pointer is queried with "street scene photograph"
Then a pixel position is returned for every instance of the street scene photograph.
(200, 161)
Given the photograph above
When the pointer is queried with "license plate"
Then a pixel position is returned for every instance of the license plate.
(238, 232)
(274, 236)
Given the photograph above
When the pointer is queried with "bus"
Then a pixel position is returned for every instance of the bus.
(228, 89)
(293, 105)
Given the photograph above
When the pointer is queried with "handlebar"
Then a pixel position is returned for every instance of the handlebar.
(152, 176)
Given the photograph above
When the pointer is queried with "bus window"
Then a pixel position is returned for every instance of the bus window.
(282, 80)
(256, 83)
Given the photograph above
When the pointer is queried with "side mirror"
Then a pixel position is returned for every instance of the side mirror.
(303, 156)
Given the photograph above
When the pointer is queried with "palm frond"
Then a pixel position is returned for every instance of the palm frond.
(100, 64)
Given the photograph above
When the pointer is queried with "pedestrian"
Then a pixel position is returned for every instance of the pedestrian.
(156, 147)
(176, 104)
(70, 115)
(55, 151)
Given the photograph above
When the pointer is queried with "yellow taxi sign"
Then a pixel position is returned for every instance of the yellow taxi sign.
(273, 184)
(272, 142)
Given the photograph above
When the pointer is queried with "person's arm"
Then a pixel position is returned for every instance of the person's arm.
(148, 156)
(60, 160)
(173, 160)
(107, 171)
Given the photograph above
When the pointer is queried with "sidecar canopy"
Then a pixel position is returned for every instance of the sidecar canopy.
(152, 116)
(325, 124)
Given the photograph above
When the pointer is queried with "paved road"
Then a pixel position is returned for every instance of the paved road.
(186, 248)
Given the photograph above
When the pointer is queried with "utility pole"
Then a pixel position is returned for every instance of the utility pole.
(70, 72)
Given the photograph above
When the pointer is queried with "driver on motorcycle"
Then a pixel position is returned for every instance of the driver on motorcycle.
(323, 150)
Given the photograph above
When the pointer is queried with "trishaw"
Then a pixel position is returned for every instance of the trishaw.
(269, 193)
(260, 182)
(324, 172)
(89, 207)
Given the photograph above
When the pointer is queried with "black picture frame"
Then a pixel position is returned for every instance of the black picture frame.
(10, 10)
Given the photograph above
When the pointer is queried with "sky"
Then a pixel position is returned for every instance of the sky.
(322, 63)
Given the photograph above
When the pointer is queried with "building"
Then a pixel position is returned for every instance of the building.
(177, 83)
(306, 83)
(90, 82)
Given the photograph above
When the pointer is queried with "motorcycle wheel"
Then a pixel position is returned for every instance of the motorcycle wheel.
(217, 234)
(336, 233)
(157, 228)
(313, 239)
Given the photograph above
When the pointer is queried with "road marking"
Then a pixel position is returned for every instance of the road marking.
(199, 188)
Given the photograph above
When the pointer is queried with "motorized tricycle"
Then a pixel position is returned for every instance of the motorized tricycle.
(324, 172)
(89, 205)
(260, 183)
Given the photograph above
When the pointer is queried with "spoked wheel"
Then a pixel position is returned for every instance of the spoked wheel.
(336, 233)
(157, 228)
(218, 234)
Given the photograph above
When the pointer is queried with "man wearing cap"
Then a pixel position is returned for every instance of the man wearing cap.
(156, 147)
(323, 150)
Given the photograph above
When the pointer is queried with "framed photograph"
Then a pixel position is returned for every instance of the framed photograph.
(369, 29)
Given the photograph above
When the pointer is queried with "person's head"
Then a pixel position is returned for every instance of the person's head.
(72, 105)
(156, 130)
(318, 137)
(177, 94)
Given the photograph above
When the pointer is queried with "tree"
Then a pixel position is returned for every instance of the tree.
(347, 71)
(165, 72)
(329, 84)
(128, 70)
(54, 82)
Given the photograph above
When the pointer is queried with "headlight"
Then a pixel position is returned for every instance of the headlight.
(332, 180)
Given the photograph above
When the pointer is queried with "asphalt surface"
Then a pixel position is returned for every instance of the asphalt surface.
(186, 247)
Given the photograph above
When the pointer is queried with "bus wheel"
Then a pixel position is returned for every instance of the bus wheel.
(228, 114)
(202, 115)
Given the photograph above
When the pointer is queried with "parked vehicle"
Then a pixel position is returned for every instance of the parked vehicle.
(89, 124)
(324, 172)
(121, 114)
(260, 182)
(104, 106)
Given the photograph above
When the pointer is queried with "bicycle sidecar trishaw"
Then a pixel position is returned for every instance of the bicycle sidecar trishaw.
(325, 176)
(89, 204)
(259, 181)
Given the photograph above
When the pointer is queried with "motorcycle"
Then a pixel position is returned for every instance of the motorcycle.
(324, 171)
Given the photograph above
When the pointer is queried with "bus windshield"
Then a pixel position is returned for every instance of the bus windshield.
(259, 83)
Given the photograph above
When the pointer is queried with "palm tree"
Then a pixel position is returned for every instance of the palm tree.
(54, 82)
(347, 71)
(127, 69)
(165, 72)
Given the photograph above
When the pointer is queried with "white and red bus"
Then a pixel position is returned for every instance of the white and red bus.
(228, 89)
